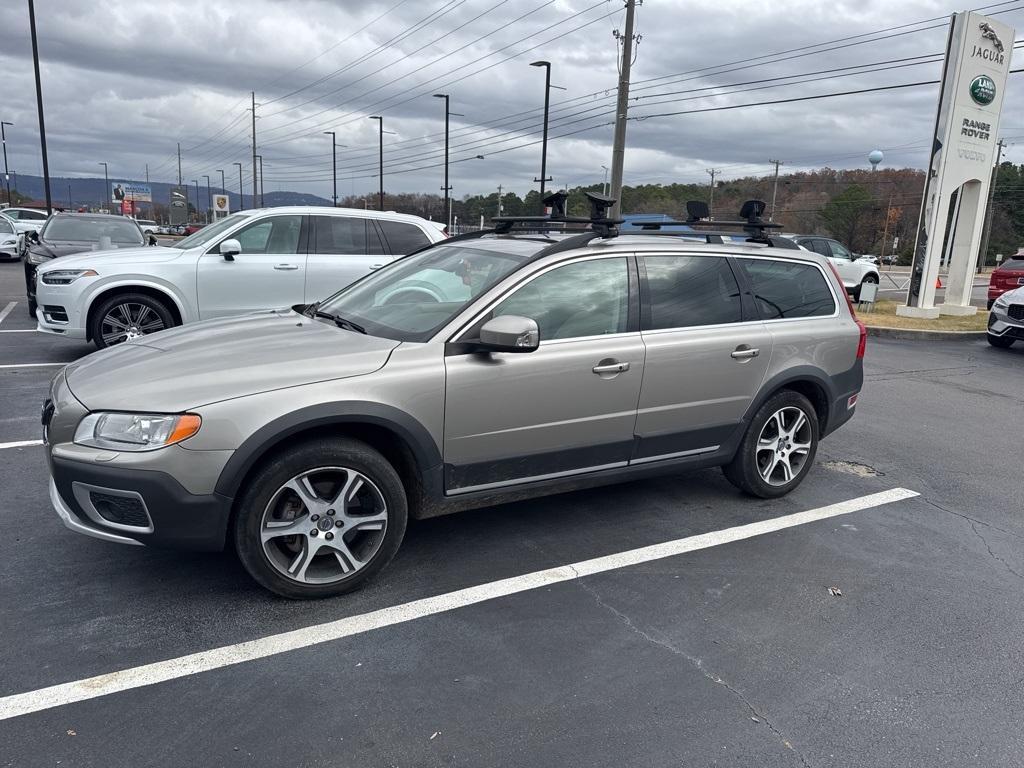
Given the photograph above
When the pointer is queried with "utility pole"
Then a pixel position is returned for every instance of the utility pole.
(263, 201)
(446, 188)
(988, 208)
(39, 104)
(69, 198)
(711, 199)
(334, 163)
(380, 120)
(179, 163)
(241, 191)
(7, 173)
(196, 182)
(499, 199)
(544, 143)
(775, 187)
(147, 173)
(254, 190)
(622, 109)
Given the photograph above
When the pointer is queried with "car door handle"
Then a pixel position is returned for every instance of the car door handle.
(375, 266)
(743, 352)
(613, 367)
(286, 267)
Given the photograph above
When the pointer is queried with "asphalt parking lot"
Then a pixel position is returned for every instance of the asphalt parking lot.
(733, 654)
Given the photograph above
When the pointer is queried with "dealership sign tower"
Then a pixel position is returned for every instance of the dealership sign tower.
(963, 152)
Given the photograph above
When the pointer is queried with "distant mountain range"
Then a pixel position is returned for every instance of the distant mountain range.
(90, 192)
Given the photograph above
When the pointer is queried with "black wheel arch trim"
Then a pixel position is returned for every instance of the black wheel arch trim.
(416, 436)
(802, 374)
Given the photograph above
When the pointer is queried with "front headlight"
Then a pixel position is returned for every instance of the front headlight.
(66, 276)
(135, 431)
(1003, 301)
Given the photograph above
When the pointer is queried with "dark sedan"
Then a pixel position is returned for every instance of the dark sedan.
(68, 233)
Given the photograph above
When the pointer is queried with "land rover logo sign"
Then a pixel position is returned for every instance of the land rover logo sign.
(983, 90)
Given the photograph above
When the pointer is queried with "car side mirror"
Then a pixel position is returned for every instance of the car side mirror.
(33, 236)
(230, 248)
(152, 240)
(509, 333)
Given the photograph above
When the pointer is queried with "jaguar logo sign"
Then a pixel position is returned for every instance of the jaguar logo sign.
(983, 90)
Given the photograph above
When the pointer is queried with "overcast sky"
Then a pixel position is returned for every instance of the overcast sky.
(124, 81)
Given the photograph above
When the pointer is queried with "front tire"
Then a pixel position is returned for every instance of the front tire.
(1000, 341)
(127, 316)
(778, 448)
(320, 519)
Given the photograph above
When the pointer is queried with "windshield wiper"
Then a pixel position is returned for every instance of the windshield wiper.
(340, 321)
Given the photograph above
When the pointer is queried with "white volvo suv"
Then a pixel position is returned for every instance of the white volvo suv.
(250, 261)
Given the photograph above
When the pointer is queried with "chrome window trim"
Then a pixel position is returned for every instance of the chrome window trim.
(675, 455)
(825, 276)
(536, 478)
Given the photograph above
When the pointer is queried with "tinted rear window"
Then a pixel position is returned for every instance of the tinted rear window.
(403, 238)
(92, 229)
(1014, 263)
(686, 291)
(785, 289)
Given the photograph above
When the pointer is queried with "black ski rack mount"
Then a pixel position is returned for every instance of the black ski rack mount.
(698, 215)
(598, 221)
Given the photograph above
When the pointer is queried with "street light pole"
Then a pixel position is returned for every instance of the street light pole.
(223, 183)
(196, 182)
(263, 200)
(7, 173)
(334, 163)
(209, 199)
(447, 187)
(544, 143)
(380, 120)
(39, 104)
(241, 190)
(106, 188)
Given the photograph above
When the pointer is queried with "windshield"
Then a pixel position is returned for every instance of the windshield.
(414, 297)
(91, 229)
(211, 232)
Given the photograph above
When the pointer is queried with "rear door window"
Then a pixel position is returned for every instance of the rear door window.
(786, 289)
(685, 291)
(341, 235)
(402, 238)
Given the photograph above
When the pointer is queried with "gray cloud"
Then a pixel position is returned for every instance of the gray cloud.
(123, 82)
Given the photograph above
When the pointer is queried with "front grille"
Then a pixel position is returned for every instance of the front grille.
(120, 509)
(55, 313)
(1016, 311)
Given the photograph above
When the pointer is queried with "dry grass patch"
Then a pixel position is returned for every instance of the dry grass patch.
(884, 316)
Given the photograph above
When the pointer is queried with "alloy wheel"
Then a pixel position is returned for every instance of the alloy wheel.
(324, 525)
(128, 321)
(783, 446)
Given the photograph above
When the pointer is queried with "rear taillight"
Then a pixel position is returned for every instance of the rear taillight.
(862, 344)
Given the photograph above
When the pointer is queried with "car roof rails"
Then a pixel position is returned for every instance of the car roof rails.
(699, 216)
(599, 221)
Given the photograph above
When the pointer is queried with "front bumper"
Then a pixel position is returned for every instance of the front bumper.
(174, 517)
(1001, 324)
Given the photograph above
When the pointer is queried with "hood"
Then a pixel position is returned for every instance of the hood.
(85, 258)
(202, 363)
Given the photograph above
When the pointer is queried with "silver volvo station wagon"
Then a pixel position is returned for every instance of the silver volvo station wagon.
(516, 362)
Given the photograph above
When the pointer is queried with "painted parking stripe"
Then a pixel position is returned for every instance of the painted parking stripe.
(33, 365)
(205, 661)
(21, 444)
(7, 310)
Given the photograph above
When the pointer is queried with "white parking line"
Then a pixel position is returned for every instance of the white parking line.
(33, 365)
(7, 310)
(205, 661)
(21, 444)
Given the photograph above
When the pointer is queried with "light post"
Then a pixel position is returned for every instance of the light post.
(106, 188)
(209, 199)
(544, 144)
(39, 103)
(223, 184)
(7, 173)
(447, 188)
(263, 200)
(380, 121)
(241, 191)
(69, 198)
(196, 182)
(334, 164)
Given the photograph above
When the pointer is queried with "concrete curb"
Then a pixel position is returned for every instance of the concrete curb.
(907, 334)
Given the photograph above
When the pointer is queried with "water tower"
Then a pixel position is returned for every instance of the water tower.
(875, 157)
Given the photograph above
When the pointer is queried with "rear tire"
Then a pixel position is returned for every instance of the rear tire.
(778, 448)
(126, 316)
(308, 487)
(999, 341)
